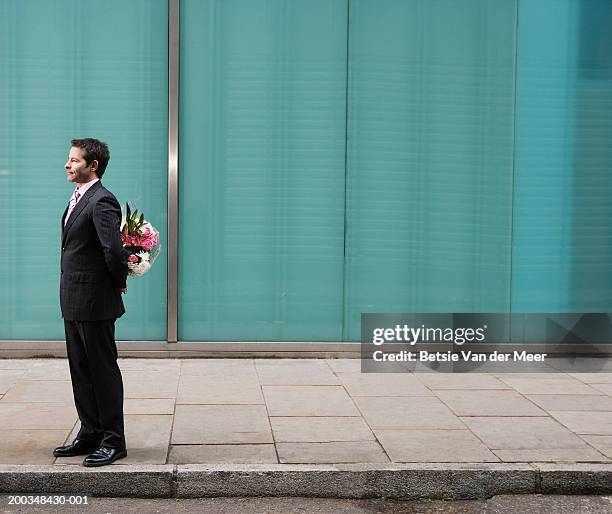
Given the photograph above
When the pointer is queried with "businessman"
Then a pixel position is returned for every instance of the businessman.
(93, 278)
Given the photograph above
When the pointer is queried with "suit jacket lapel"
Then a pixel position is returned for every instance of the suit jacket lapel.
(64, 217)
(79, 207)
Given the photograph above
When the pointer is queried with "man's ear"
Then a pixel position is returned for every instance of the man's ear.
(94, 168)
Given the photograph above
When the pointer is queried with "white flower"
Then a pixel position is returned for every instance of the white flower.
(139, 268)
(144, 256)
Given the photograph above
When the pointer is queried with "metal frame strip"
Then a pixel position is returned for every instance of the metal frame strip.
(173, 169)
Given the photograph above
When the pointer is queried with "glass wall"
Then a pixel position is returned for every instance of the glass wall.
(77, 68)
(336, 157)
(430, 150)
(262, 169)
(562, 251)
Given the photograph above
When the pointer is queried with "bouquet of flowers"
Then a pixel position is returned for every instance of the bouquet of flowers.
(141, 240)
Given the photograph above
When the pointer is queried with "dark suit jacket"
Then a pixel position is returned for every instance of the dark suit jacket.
(94, 262)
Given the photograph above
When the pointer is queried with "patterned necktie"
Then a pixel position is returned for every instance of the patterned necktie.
(73, 202)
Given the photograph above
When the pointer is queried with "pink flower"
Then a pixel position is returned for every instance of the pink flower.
(133, 258)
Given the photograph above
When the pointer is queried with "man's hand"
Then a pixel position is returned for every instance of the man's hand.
(123, 290)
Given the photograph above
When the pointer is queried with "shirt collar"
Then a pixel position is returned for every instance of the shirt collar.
(83, 189)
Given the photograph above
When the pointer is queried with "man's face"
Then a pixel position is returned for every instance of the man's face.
(77, 169)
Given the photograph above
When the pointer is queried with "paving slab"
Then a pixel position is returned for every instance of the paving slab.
(48, 370)
(533, 376)
(603, 388)
(329, 453)
(223, 454)
(75, 430)
(312, 373)
(150, 384)
(344, 365)
(16, 363)
(580, 364)
(221, 424)
(434, 446)
(36, 416)
(148, 406)
(573, 402)
(29, 446)
(9, 377)
(593, 378)
(603, 443)
(168, 365)
(147, 438)
(488, 403)
(40, 391)
(460, 381)
(391, 384)
(552, 455)
(225, 390)
(308, 401)
(584, 422)
(320, 429)
(218, 367)
(549, 384)
(417, 412)
(522, 433)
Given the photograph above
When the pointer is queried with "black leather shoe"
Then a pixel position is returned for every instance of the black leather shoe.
(76, 447)
(103, 456)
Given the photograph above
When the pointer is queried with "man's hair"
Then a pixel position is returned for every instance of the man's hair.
(94, 150)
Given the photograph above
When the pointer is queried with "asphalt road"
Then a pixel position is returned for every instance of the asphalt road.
(542, 504)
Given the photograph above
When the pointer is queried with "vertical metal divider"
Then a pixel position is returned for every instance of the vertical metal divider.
(173, 157)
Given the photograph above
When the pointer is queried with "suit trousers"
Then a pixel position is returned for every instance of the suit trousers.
(96, 380)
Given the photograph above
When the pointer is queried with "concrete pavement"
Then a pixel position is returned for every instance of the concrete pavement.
(229, 426)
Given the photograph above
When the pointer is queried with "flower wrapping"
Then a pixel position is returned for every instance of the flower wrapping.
(141, 241)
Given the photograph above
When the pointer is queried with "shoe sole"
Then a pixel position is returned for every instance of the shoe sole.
(84, 452)
(74, 454)
(98, 464)
(87, 451)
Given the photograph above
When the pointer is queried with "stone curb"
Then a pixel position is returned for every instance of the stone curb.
(115, 480)
(397, 481)
(575, 478)
(393, 481)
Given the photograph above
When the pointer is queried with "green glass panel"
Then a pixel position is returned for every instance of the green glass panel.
(78, 68)
(562, 248)
(262, 159)
(430, 157)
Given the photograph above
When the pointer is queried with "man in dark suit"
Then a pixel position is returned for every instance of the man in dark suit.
(93, 278)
